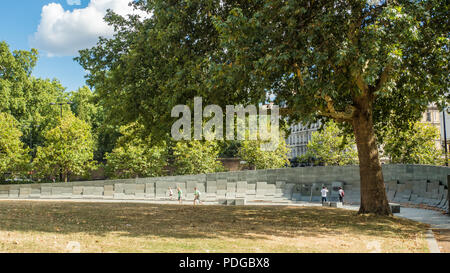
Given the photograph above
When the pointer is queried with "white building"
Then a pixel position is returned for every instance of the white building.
(446, 114)
(299, 137)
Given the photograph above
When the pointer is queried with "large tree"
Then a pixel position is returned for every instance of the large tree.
(68, 149)
(25, 97)
(14, 157)
(358, 62)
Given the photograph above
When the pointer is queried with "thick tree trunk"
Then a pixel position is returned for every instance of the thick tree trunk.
(373, 192)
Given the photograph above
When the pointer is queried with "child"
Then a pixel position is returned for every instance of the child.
(324, 192)
(170, 193)
(197, 196)
(180, 194)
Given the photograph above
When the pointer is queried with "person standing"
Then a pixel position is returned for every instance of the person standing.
(197, 196)
(341, 195)
(170, 193)
(180, 195)
(324, 192)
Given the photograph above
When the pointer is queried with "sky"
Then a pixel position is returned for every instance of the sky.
(57, 29)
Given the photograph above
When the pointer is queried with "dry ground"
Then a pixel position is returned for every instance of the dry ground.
(118, 227)
(443, 239)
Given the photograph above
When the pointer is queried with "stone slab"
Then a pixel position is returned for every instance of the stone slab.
(395, 208)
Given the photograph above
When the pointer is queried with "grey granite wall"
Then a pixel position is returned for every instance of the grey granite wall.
(404, 183)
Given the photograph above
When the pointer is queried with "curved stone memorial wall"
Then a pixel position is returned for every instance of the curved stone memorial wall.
(419, 184)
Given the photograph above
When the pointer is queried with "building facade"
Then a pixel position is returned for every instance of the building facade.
(299, 137)
(434, 117)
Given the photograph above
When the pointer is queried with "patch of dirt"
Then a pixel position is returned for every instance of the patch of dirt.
(443, 239)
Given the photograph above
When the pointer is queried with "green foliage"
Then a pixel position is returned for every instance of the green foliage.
(15, 71)
(84, 107)
(322, 59)
(68, 149)
(88, 107)
(150, 66)
(197, 157)
(14, 157)
(251, 152)
(230, 148)
(414, 146)
(332, 147)
(134, 156)
(27, 98)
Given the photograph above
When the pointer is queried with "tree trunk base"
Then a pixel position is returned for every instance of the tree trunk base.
(382, 211)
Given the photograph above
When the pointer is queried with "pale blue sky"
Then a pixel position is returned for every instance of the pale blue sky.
(58, 29)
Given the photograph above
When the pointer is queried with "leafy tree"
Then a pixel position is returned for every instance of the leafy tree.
(15, 70)
(359, 62)
(87, 106)
(230, 149)
(83, 105)
(332, 146)
(134, 156)
(251, 152)
(196, 157)
(14, 157)
(25, 97)
(68, 149)
(414, 146)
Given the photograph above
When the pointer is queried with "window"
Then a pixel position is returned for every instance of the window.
(429, 116)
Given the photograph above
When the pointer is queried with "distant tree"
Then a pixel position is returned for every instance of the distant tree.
(87, 106)
(332, 146)
(414, 146)
(256, 157)
(230, 148)
(68, 148)
(14, 157)
(196, 157)
(135, 156)
(25, 97)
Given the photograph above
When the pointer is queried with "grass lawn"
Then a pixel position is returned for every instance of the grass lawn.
(117, 227)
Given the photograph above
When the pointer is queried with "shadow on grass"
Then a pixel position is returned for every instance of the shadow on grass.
(206, 222)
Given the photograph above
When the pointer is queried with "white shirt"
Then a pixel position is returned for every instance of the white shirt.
(324, 192)
(341, 191)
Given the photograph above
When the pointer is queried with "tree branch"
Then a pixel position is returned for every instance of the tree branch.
(383, 78)
(299, 74)
(362, 85)
(331, 112)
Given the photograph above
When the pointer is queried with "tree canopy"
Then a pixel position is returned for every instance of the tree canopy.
(332, 146)
(360, 62)
(134, 156)
(196, 157)
(13, 155)
(418, 145)
(68, 149)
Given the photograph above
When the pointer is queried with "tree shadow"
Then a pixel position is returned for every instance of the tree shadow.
(188, 222)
